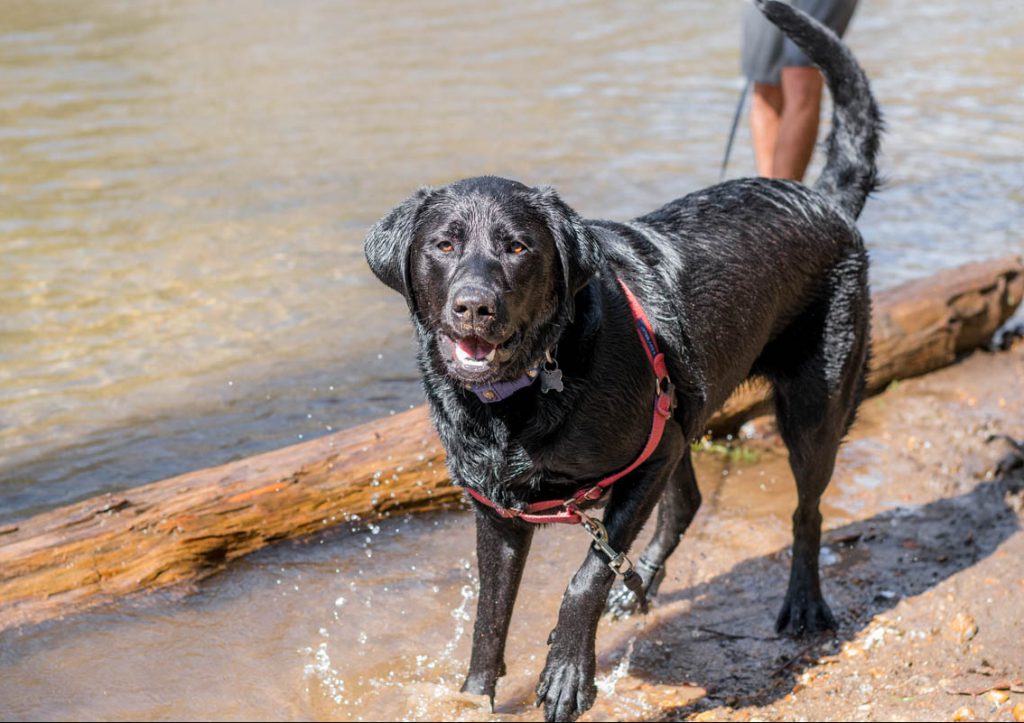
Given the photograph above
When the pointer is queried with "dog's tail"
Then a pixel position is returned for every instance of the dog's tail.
(850, 174)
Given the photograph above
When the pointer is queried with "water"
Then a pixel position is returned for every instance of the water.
(362, 623)
(184, 190)
(375, 622)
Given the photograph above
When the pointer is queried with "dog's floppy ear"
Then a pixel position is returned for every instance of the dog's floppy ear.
(387, 244)
(579, 251)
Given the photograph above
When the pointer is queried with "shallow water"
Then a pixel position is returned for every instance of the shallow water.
(184, 189)
(364, 623)
(374, 622)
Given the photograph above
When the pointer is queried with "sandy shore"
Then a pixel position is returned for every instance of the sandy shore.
(923, 569)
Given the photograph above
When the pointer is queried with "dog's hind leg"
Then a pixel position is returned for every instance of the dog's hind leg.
(679, 505)
(816, 396)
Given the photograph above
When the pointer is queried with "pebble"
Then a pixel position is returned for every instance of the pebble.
(1018, 712)
(963, 713)
(998, 697)
(964, 627)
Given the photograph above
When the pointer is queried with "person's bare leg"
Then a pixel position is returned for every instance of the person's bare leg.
(765, 112)
(798, 126)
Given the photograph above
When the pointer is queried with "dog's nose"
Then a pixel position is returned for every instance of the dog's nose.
(474, 304)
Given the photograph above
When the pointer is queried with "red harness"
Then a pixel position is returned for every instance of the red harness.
(567, 510)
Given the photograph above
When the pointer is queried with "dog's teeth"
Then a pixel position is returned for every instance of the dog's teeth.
(490, 354)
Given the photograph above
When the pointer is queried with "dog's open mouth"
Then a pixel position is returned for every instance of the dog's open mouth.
(474, 352)
(475, 358)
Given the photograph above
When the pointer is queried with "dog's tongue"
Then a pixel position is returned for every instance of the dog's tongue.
(475, 348)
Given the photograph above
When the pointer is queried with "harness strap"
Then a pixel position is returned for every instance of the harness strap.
(567, 510)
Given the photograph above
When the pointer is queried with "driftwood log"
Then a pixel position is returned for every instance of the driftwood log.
(183, 529)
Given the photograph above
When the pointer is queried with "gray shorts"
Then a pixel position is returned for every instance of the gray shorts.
(766, 51)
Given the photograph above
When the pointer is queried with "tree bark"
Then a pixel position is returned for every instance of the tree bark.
(183, 529)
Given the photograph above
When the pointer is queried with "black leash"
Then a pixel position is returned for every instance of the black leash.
(732, 132)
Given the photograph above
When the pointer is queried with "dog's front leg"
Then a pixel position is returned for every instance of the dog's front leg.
(567, 687)
(501, 549)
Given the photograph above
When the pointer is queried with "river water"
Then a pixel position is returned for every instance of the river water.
(184, 190)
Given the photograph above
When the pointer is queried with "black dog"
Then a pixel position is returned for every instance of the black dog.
(539, 385)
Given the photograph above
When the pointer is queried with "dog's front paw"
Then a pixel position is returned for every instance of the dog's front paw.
(566, 688)
(803, 615)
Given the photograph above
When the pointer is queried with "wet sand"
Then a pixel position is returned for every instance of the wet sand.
(923, 572)
(922, 567)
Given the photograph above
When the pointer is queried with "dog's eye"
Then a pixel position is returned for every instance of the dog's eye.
(516, 247)
(446, 246)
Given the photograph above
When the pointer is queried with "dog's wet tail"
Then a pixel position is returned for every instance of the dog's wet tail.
(850, 173)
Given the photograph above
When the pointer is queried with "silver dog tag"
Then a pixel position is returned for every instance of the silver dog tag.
(551, 379)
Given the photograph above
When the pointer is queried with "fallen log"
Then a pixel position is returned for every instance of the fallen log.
(183, 529)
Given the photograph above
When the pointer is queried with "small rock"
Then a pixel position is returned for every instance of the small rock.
(828, 557)
(1018, 712)
(963, 713)
(998, 697)
(963, 627)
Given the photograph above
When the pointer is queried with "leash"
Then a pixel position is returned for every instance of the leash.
(732, 131)
(567, 511)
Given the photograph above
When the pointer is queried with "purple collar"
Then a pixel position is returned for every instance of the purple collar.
(500, 391)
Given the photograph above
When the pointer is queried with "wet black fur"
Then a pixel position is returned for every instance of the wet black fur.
(748, 278)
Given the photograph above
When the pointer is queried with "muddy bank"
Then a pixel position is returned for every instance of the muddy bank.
(922, 568)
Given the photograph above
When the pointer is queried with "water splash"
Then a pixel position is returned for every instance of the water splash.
(422, 683)
(606, 683)
(331, 683)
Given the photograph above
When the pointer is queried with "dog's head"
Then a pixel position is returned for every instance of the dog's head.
(489, 268)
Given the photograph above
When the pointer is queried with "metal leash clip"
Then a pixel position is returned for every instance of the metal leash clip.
(617, 561)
